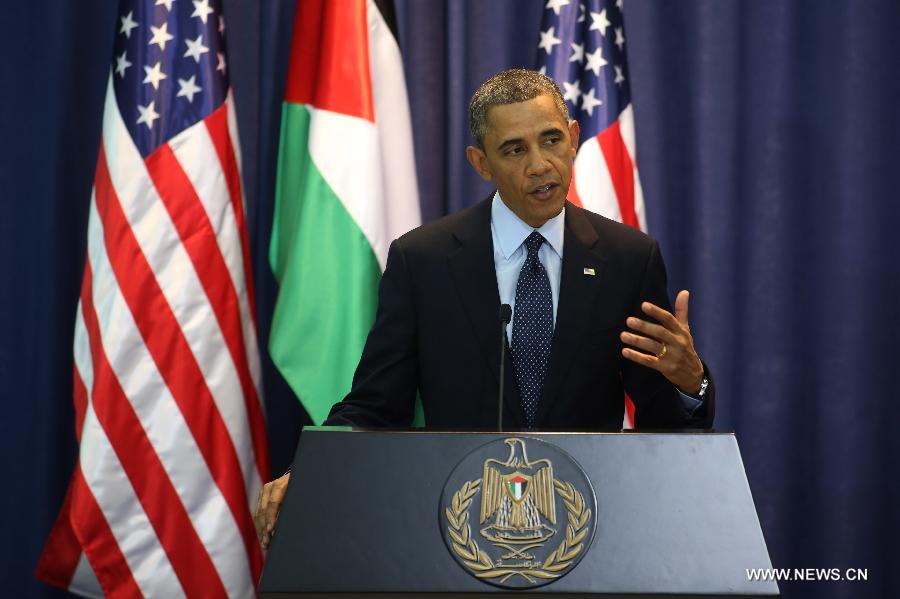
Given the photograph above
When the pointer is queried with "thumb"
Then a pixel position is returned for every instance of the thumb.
(681, 306)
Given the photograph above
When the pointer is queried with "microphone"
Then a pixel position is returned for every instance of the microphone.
(505, 317)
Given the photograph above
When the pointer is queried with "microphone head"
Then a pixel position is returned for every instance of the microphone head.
(505, 313)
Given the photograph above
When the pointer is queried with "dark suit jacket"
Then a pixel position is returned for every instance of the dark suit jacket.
(437, 331)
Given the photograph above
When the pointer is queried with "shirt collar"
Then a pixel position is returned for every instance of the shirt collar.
(512, 231)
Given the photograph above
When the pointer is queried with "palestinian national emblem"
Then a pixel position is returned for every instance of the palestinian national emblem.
(525, 522)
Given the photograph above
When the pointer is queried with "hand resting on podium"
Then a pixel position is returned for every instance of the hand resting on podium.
(267, 506)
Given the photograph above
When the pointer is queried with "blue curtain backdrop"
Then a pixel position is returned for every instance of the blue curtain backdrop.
(768, 147)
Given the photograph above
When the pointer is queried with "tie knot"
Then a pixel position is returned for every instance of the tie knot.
(533, 243)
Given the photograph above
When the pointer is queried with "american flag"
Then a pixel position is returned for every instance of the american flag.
(169, 419)
(582, 48)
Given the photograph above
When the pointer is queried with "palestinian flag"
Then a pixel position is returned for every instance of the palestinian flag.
(517, 485)
(346, 188)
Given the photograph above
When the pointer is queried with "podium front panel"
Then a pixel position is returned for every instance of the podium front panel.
(362, 514)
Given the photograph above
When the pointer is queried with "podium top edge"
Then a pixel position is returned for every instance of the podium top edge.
(415, 431)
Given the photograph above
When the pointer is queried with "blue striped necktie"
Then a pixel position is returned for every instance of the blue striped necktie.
(532, 328)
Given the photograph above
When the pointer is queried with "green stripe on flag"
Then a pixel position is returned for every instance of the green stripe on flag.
(327, 274)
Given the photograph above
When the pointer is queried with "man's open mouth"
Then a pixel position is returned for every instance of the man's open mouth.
(543, 189)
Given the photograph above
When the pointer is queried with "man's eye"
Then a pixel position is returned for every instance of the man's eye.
(552, 140)
(514, 151)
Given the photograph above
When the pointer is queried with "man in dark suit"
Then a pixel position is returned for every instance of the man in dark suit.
(574, 280)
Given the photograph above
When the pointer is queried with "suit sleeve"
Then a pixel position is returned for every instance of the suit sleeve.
(656, 400)
(384, 385)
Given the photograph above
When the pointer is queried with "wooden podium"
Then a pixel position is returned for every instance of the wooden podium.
(609, 514)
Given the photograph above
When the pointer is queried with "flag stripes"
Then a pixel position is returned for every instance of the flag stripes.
(618, 163)
(166, 373)
(164, 383)
(156, 294)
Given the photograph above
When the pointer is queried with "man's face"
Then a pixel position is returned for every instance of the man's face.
(529, 149)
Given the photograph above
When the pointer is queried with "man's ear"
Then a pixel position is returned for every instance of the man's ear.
(478, 160)
(574, 133)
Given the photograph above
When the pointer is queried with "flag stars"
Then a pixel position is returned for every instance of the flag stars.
(581, 12)
(573, 91)
(166, 3)
(160, 36)
(577, 53)
(589, 101)
(221, 65)
(202, 10)
(555, 5)
(620, 38)
(128, 23)
(548, 40)
(148, 114)
(595, 61)
(154, 75)
(599, 21)
(188, 88)
(122, 64)
(195, 48)
(620, 78)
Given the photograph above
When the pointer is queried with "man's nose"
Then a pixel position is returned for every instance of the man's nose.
(537, 164)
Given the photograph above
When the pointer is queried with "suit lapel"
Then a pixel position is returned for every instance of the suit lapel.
(577, 295)
(475, 278)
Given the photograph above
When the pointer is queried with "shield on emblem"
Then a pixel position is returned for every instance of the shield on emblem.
(517, 485)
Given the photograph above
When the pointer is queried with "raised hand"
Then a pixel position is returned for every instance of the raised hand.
(666, 347)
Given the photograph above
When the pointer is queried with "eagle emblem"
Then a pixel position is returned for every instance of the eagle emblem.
(517, 496)
(503, 527)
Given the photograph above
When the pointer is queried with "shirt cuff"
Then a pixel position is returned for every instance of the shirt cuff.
(690, 403)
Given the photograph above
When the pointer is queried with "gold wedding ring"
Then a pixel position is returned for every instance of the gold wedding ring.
(663, 352)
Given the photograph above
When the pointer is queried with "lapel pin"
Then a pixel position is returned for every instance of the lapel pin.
(589, 271)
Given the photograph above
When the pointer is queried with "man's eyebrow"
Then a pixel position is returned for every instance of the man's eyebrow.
(518, 140)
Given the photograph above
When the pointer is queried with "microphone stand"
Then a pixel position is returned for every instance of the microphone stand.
(505, 317)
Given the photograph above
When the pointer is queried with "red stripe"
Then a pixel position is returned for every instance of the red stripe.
(62, 551)
(621, 171)
(178, 367)
(100, 546)
(629, 409)
(154, 489)
(573, 195)
(79, 395)
(199, 240)
(217, 125)
(329, 65)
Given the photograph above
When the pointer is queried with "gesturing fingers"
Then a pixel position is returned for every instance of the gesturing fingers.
(650, 346)
(681, 306)
(663, 317)
(641, 358)
(649, 329)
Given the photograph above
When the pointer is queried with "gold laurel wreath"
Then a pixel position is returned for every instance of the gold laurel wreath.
(480, 562)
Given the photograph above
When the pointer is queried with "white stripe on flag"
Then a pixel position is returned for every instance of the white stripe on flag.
(235, 139)
(626, 128)
(163, 422)
(593, 182)
(355, 177)
(84, 581)
(161, 245)
(399, 191)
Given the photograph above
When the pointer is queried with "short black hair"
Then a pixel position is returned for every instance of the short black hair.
(510, 87)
